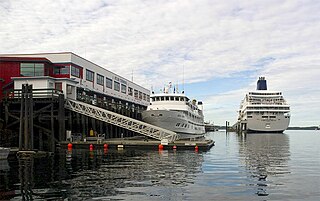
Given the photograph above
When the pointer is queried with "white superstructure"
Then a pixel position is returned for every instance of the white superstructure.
(175, 112)
(264, 111)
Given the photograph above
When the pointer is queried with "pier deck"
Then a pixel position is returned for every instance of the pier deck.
(203, 144)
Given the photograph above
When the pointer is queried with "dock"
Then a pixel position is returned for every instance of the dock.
(200, 144)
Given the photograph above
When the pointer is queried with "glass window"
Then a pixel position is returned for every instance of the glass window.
(75, 71)
(124, 88)
(32, 69)
(130, 92)
(148, 98)
(136, 94)
(108, 82)
(89, 75)
(100, 79)
(144, 96)
(140, 95)
(64, 70)
(116, 86)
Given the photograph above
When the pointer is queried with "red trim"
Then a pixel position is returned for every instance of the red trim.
(22, 59)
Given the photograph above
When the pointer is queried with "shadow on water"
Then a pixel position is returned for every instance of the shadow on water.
(83, 174)
(265, 156)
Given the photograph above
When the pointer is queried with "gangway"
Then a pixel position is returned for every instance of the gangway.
(121, 120)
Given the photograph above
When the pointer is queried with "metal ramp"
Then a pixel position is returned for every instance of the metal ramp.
(121, 120)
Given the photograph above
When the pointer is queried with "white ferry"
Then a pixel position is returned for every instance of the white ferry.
(264, 111)
(175, 112)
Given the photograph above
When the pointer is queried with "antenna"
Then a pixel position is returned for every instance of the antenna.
(183, 78)
(132, 75)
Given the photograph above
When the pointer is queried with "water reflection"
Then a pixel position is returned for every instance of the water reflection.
(106, 173)
(265, 156)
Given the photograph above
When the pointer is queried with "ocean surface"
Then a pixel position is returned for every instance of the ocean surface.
(239, 167)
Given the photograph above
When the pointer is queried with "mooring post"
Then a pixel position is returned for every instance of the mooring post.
(30, 91)
(21, 117)
(52, 130)
(26, 118)
(227, 126)
(61, 118)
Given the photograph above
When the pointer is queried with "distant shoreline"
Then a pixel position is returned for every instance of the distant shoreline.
(290, 128)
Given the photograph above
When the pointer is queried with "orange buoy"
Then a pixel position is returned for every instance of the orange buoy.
(160, 146)
(91, 146)
(174, 147)
(69, 146)
(105, 146)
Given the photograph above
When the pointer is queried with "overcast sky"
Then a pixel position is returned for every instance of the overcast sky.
(217, 48)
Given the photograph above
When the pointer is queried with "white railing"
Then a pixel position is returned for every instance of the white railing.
(121, 120)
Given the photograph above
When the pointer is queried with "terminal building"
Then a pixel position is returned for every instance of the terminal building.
(76, 79)
(66, 70)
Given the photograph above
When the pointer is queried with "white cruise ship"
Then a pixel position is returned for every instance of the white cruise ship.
(264, 111)
(175, 112)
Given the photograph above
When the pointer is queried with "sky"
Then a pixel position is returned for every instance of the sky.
(215, 50)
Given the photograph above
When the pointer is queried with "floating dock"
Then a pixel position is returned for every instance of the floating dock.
(201, 144)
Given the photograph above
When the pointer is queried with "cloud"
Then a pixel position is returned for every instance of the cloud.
(159, 40)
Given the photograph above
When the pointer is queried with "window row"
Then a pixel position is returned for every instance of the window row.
(116, 85)
(168, 98)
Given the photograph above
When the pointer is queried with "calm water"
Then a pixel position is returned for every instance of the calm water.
(252, 167)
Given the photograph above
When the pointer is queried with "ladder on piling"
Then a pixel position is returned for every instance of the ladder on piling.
(121, 120)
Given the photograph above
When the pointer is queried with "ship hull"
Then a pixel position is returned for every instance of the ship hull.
(175, 121)
(259, 125)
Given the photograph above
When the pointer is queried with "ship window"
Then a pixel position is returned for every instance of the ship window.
(181, 98)
(273, 117)
(89, 75)
(172, 98)
(136, 93)
(152, 115)
(177, 98)
(167, 98)
(157, 98)
(116, 86)
(130, 93)
(162, 98)
(153, 99)
(160, 115)
(265, 117)
(249, 117)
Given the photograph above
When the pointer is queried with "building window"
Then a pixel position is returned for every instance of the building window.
(75, 71)
(124, 88)
(109, 83)
(100, 79)
(61, 70)
(58, 86)
(31, 69)
(116, 86)
(65, 70)
(130, 92)
(89, 75)
(144, 96)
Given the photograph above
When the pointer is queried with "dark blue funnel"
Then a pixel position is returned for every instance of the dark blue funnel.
(262, 84)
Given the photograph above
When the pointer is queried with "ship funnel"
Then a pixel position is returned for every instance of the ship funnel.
(262, 84)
